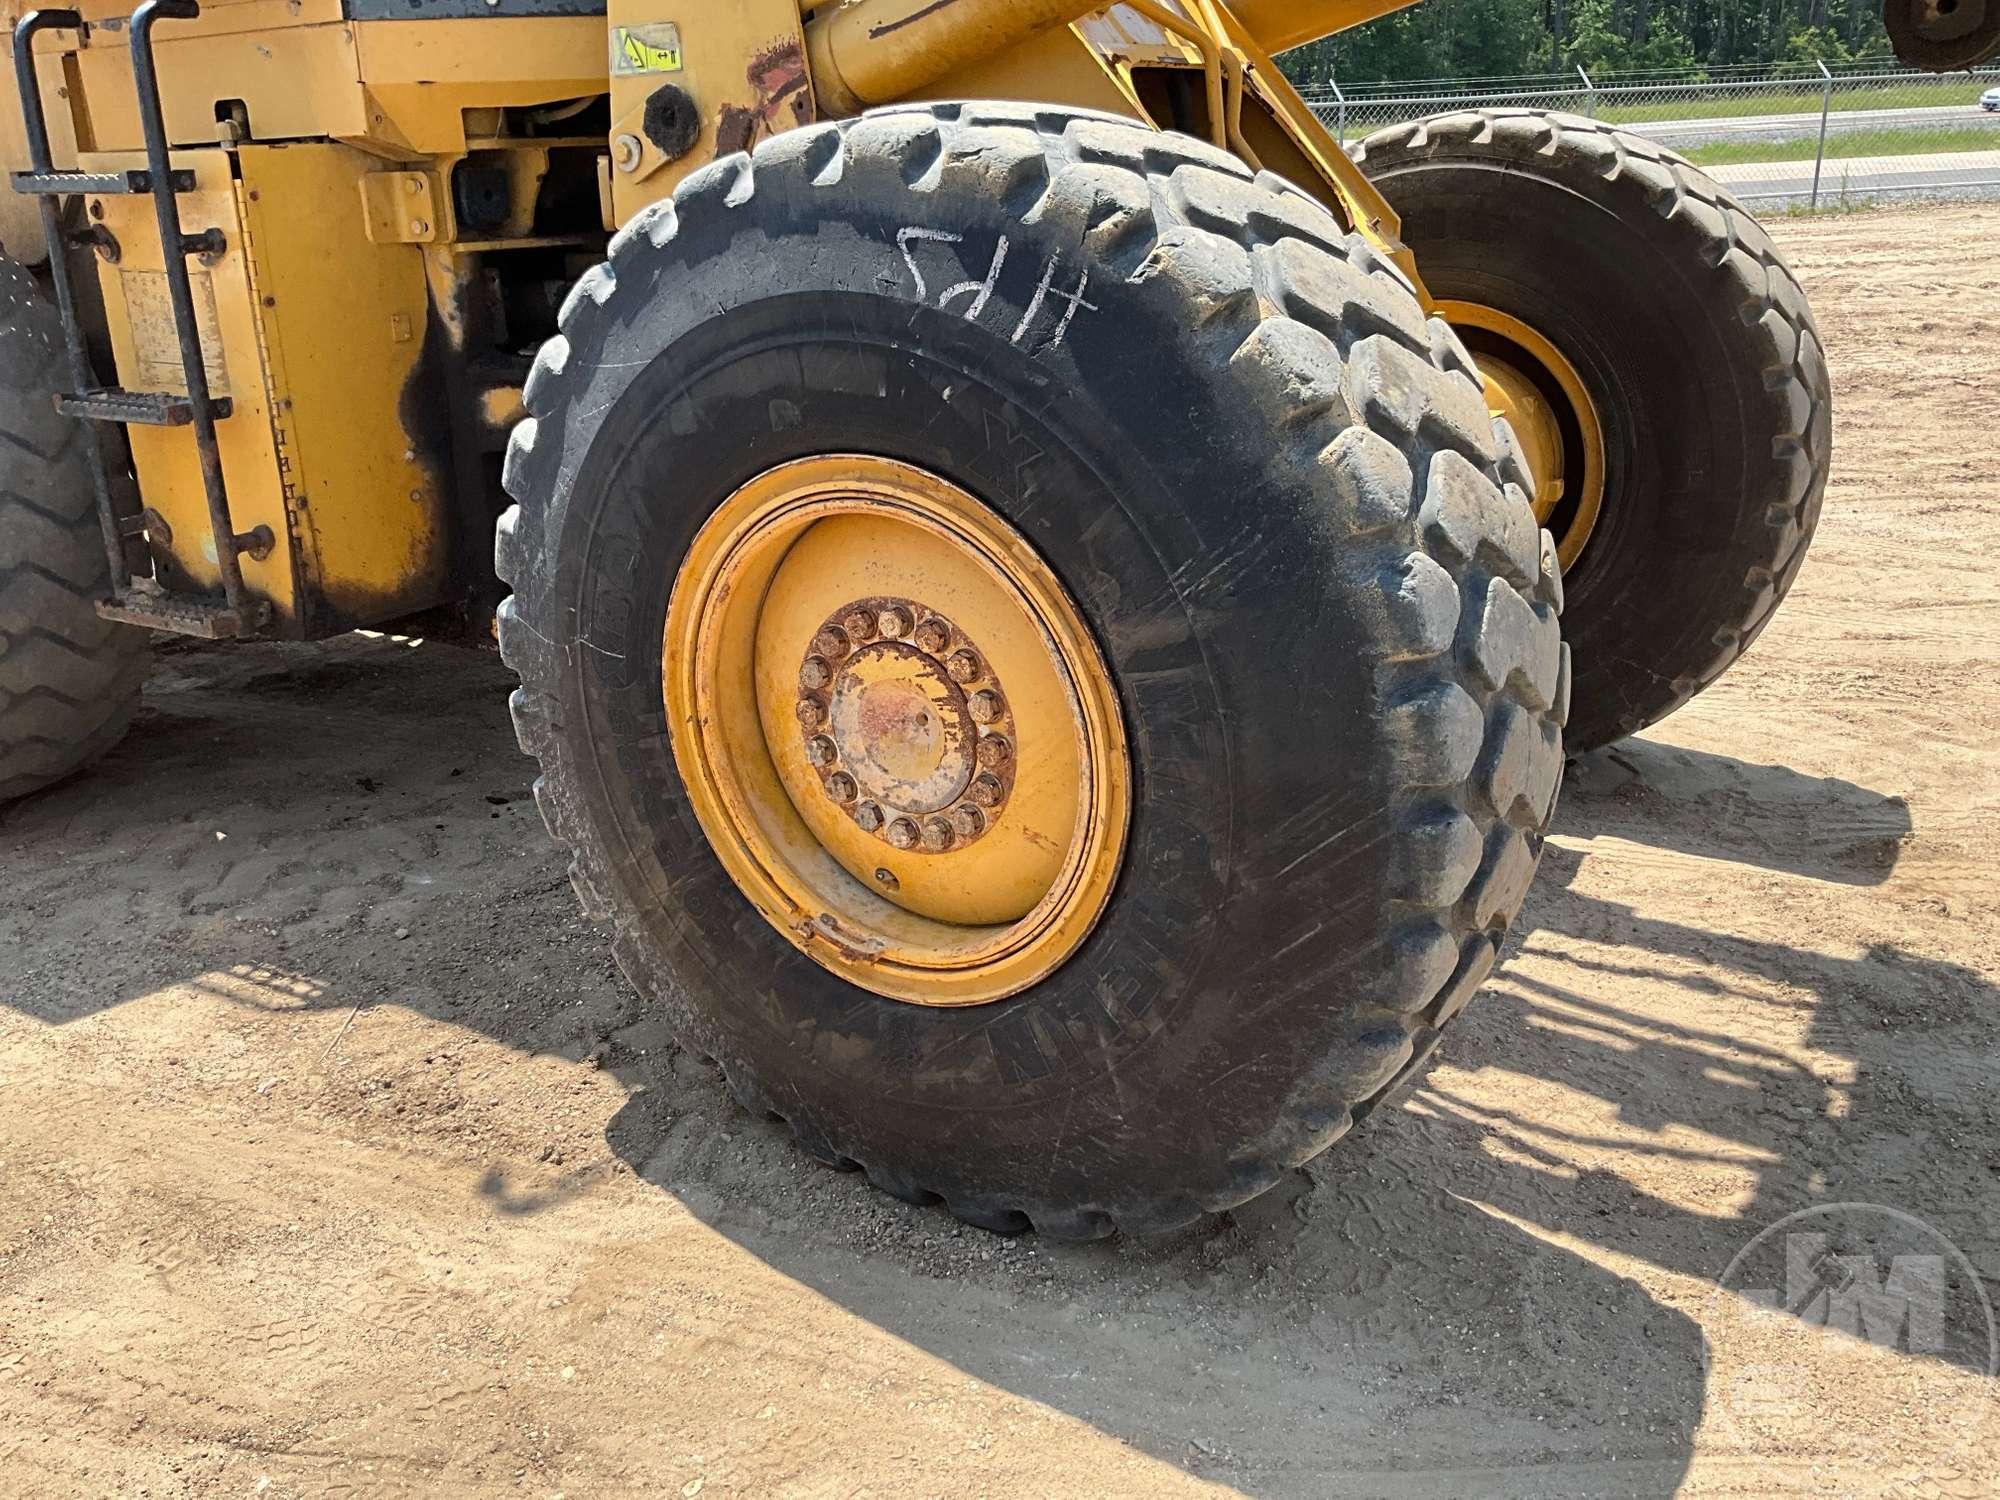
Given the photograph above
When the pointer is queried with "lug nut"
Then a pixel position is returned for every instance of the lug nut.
(902, 834)
(893, 624)
(962, 667)
(933, 635)
(937, 835)
(858, 623)
(840, 786)
(831, 643)
(985, 790)
(821, 751)
(812, 714)
(993, 751)
(814, 673)
(968, 820)
(984, 705)
(869, 816)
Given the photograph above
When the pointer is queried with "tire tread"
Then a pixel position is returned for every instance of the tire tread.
(69, 680)
(1319, 328)
(1716, 229)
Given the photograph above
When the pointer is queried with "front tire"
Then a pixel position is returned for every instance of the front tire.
(1696, 350)
(1274, 495)
(69, 681)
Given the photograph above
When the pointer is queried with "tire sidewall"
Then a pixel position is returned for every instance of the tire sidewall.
(1211, 616)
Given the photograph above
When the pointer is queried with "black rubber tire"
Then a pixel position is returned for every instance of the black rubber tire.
(69, 681)
(1276, 495)
(1701, 355)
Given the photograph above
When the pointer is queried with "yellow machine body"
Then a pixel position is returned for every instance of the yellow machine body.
(317, 337)
(382, 172)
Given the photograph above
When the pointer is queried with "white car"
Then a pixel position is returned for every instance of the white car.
(1990, 99)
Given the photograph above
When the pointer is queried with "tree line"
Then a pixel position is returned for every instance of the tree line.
(1494, 38)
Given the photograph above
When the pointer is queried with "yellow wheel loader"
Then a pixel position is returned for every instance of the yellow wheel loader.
(1034, 575)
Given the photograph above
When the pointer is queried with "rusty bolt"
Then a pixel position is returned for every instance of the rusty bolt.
(893, 623)
(902, 833)
(968, 820)
(993, 751)
(962, 667)
(984, 705)
(869, 816)
(985, 790)
(814, 673)
(933, 635)
(937, 835)
(831, 643)
(821, 751)
(840, 786)
(859, 624)
(812, 714)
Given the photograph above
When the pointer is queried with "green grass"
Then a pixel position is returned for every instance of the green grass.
(1848, 143)
(1838, 203)
(1803, 99)
(1367, 115)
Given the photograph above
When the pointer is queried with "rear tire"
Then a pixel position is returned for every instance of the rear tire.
(69, 681)
(1698, 350)
(1270, 488)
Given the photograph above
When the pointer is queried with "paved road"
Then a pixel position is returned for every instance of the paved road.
(1944, 173)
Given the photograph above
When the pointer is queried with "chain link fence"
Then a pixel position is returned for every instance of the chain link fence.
(1811, 135)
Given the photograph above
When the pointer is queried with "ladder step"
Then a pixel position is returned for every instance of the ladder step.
(184, 614)
(137, 408)
(104, 184)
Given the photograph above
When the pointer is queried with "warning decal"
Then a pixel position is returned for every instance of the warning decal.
(652, 48)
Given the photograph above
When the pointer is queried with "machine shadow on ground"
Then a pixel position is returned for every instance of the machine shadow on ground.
(1649, 792)
(1454, 1254)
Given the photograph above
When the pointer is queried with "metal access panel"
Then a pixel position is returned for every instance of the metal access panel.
(291, 63)
(690, 83)
(317, 336)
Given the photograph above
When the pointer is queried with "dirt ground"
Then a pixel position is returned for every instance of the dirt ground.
(335, 1156)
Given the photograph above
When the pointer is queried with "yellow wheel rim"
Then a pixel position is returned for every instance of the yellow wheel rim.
(1534, 386)
(896, 730)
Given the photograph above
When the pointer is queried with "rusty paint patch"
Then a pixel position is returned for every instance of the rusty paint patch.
(906, 723)
(778, 87)
(735, 129)
(857, 947)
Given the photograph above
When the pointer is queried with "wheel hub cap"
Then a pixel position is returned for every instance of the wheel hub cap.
(906, 725)
(896, 730)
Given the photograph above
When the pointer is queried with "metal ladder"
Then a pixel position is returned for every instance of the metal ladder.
(236, 614)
